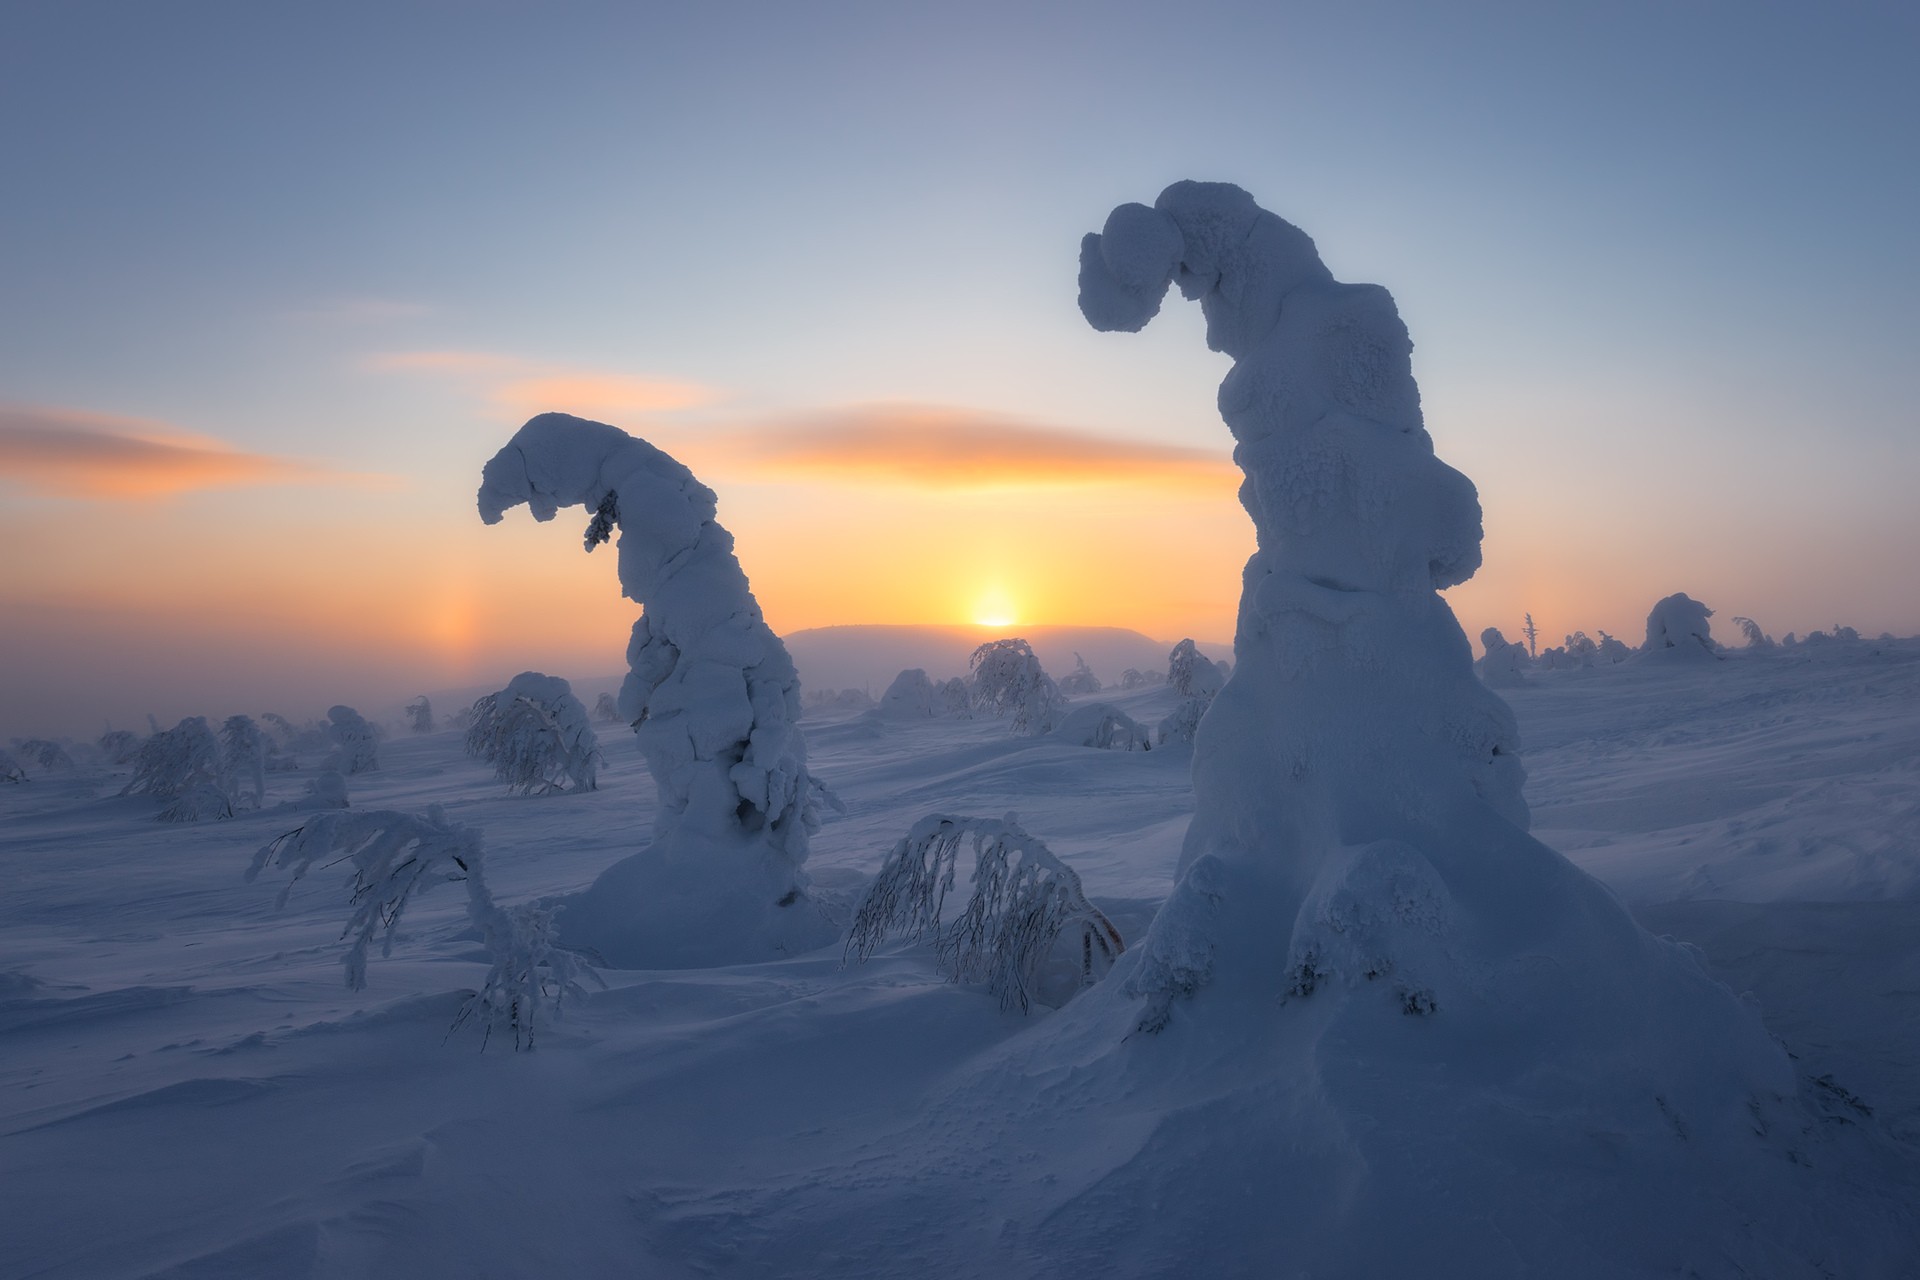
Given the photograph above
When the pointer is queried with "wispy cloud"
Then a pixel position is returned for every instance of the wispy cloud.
(73, 454)
(933, 447)
(525, 387)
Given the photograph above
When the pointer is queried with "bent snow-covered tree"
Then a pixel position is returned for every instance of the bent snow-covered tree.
(713, 697)
(1358, 850)
(1677, 628)
(1007, 678)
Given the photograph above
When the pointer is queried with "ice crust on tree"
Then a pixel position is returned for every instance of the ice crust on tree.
(714, 700)
(1677, 629)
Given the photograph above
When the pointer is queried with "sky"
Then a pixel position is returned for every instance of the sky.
(275, 281)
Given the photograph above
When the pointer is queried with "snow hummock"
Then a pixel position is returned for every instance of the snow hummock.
(714, 701)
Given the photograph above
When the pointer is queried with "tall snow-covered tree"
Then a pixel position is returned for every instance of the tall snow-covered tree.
(419, 715)
(715, 703)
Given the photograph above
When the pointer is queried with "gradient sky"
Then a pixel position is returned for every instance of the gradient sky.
(275, 281)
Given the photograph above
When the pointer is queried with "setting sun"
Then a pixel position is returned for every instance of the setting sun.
(994, 608)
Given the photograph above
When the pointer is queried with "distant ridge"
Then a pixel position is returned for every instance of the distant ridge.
(869, 657)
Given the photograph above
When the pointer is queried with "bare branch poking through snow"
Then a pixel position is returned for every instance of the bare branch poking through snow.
(396, 855)
(1025, 902)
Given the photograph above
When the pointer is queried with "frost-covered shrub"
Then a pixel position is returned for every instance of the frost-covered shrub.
(713, 698)
(1007, 678)
(1845, 635)
(1105, 727)
(395, 856)
(419, 715)
(536, 736)
(1133, 678)
(911, 696)
(243, 758)
(44, 752)
(355, 741)
(1192, 673)
(954, 697)
(1081, 680)
(1581, 650)
(1027, 931)
(10, 768)
(183, 765)
(119, 746)
(606, 710)
(1501, 665)
(327, 790)
(1756, 638)
(1612, 650)
(1678, 628)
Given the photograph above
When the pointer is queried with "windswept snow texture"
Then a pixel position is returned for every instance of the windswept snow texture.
(715, 701)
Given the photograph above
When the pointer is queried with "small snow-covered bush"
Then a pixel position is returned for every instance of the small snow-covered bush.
(354, 741)
(1612, 650)
(1027, 932)
(1007, 678)
(911, 696)
(1133, 678)
(1105, 727)
(183, 765)
(119, 746)
(1180, 724)
(1192, 673)
(535, 734)
(10, 770)
(1756, 638)
(397, 855)
(1081, 680)
(419, 715)
(44, 752)
(954, 697)
(606, 709)
(1678, 628)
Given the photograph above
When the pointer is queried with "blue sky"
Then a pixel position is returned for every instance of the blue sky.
(1657, 261)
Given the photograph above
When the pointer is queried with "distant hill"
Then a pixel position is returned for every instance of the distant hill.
(869, 657)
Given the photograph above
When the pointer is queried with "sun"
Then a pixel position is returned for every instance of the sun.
(994, 608)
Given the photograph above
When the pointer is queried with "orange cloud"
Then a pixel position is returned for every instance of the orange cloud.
(526, 387)
(931, 447)
(73, 454)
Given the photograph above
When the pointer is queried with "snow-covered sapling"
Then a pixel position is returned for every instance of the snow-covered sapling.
(1080, 680)
(1007, 679)
(184, 766)
(419, 715)
(1611, 650)
(1756, 638)
(714, 701)
(535, 734)
(355, 741)
(393, 857)
(606, 709)
(1192, 673)
(119, 746)
(1027, 931)
(243, 759)
(1502, 665)
(1677, 628)
(10, 769)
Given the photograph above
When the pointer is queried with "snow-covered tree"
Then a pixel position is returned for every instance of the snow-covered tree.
(243, 759)
(1678, 628)
(1081, 680)
(606, 709)
(1027, 932)
(954, 696)
(1612, 650)
(355, 741)
(419, 715)
(1358, 820)
(1502, 665)
(1756, 638)
(43, 752)
(911, 696)
(394, 857)
(1192, 673)
(1007, 679)
(714, 699)
(536, 736)
(119, 746)
(11, 769)
(183, 766)
(1133, 678)
(1532, 633)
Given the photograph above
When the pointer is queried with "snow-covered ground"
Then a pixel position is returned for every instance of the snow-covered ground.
(187, 1089)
